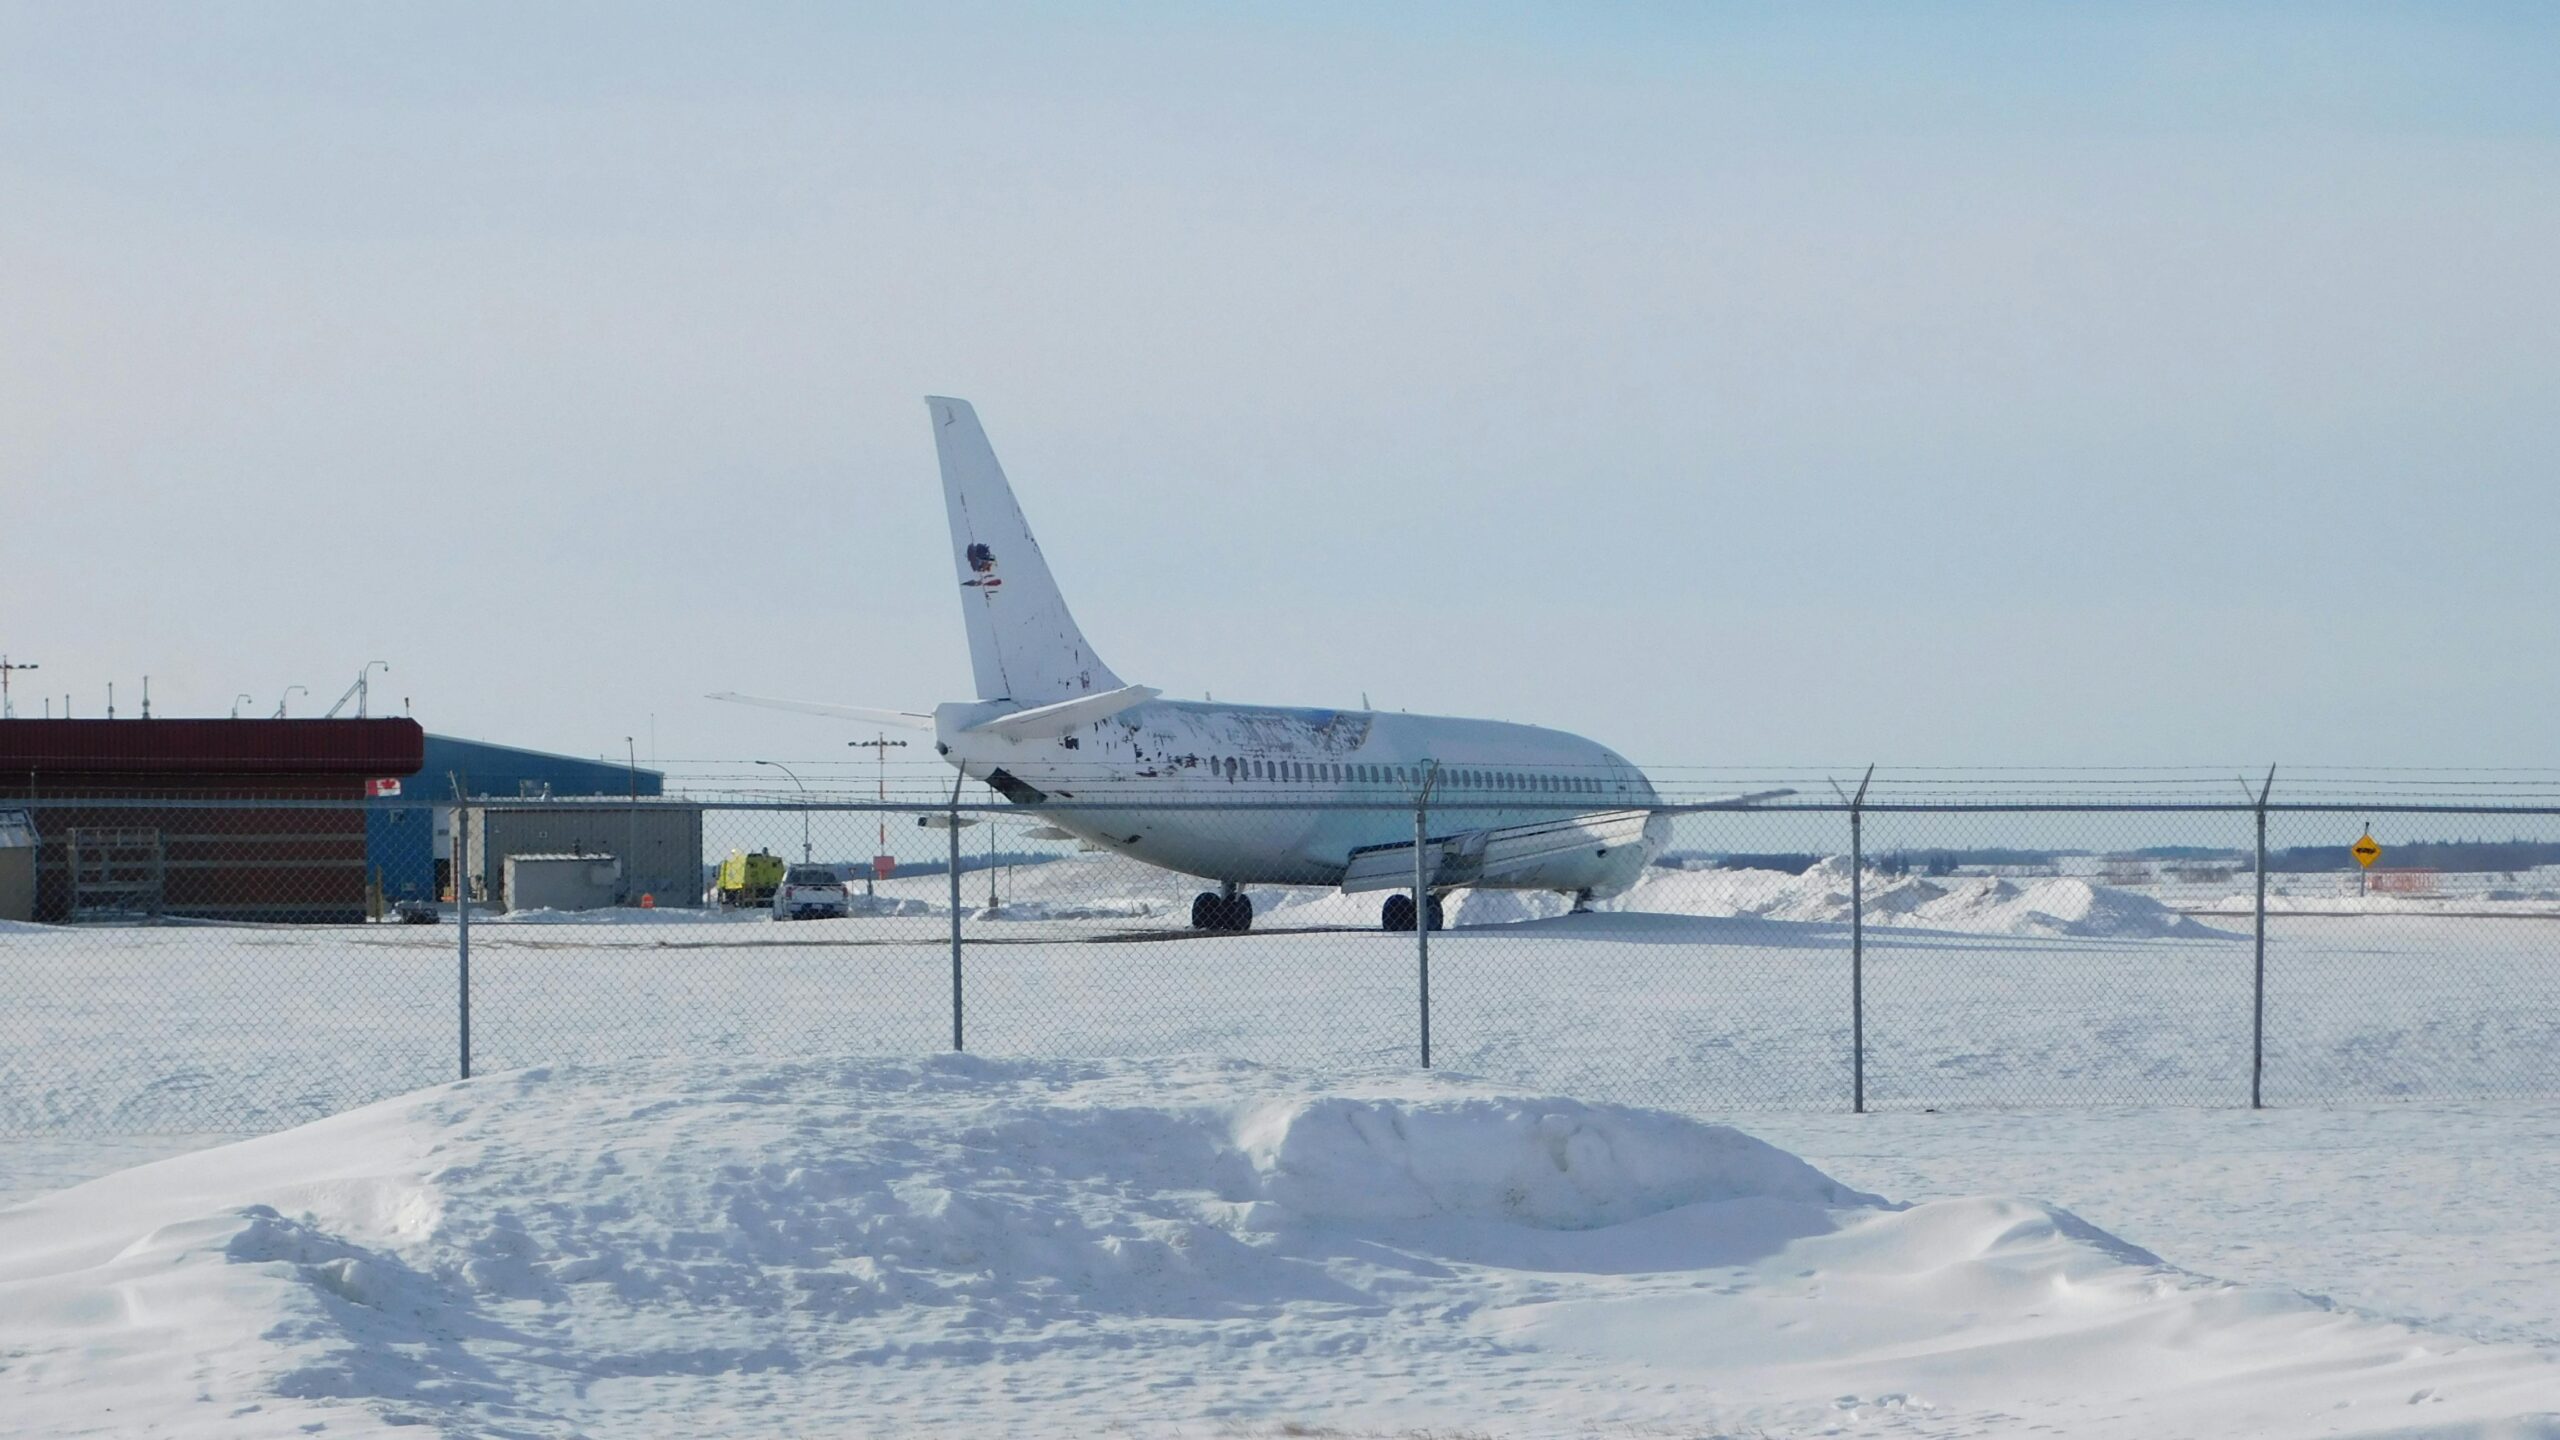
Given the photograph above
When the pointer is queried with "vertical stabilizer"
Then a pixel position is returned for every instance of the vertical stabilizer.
(1023, 645)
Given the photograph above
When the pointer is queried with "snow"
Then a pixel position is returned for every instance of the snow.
(971, 1246)
(1977, 904)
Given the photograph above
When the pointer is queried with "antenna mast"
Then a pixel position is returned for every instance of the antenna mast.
(9, 711)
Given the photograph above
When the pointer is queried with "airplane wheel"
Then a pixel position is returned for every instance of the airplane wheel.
(1205, 908)
(1435, 912)
(1397, 913)
(1239, 916)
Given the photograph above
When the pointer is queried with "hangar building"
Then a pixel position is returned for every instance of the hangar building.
(170, 830)
(129, 820)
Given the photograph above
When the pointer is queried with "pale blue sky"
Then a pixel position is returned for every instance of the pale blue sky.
(1754, 385)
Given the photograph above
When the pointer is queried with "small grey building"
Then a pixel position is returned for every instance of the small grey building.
(658, 842)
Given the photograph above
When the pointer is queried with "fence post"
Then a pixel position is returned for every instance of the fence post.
(2258, 986)
(462, 928)
(1422, 909)
(956, 1032)
(1858, 946)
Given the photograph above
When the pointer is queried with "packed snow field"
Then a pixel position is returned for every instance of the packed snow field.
(746, 1239)
(1706, 990)
(960, 1245)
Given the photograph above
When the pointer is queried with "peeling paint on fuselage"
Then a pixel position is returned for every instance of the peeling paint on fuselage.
(1306, 787)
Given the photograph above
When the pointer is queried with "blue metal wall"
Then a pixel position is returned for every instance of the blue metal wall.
(400, 840)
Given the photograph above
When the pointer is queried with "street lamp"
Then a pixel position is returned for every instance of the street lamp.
(804, 806)
(288, 695)
(239, 700)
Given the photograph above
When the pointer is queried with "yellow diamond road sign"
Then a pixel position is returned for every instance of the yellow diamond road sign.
(2366, 851)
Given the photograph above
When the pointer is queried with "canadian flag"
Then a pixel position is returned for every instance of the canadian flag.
(379, 788)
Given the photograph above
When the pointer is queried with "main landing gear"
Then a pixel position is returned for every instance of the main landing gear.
(1226, 908)
(1397, 913)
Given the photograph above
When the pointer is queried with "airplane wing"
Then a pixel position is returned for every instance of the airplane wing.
(1727, 802)
(1507, 852)
(1511, 853)
(896, 719)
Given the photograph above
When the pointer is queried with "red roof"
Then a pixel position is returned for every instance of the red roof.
(367, 748)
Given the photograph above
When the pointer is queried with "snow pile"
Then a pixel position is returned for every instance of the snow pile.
(1107, 907)
(1557, 1164)
(1979, 904)
(959, 1246)
(619, 915)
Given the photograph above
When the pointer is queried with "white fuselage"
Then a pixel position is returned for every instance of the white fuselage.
(1272, 795)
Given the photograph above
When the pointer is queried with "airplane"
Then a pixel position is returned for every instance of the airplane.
(1254, 794)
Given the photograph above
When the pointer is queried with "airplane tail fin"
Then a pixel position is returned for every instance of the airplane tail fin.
(1023, 645)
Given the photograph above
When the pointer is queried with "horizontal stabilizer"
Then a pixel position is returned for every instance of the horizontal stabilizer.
(896, 719)
(1048, 722)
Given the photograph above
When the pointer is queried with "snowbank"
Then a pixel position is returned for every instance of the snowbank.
(1980, 904)
(964, 1246)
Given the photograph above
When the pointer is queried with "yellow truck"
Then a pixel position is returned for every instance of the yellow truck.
(746, 880)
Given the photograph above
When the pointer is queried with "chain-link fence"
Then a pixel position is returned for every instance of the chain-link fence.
(222, 964)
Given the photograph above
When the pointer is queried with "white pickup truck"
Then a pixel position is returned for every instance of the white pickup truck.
(809, 892)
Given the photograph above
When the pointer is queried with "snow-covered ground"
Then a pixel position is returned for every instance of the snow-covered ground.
(1714, 993)
(967, 1246)
(1703, 990)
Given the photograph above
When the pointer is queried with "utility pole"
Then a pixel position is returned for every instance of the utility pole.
(879, 745)
(9, 711)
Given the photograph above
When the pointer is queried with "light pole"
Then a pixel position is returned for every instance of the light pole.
(879, 746)
(804, 806)
(288, 695)
(239, 700)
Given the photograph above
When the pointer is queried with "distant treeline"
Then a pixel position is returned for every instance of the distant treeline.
(2463, 855)
(2449, 855)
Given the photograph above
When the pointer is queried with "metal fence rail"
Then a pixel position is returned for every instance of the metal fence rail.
(196, 964)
